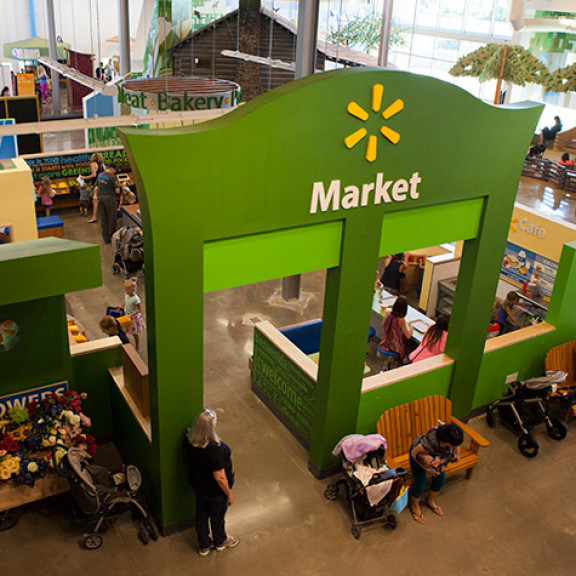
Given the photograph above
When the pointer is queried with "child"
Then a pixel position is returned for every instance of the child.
(133, 308)
(127, 197)
(111, 326)
(46, 194)
(566, 162)
(504, 313)
(85, 199)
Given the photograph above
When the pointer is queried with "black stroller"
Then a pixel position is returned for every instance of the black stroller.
(524, 405)
(100, 497)
(370, 486)
(128, 246)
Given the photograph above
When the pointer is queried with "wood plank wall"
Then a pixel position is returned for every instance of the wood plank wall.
(200, 55)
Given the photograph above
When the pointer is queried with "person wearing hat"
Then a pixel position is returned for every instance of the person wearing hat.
(107, 188)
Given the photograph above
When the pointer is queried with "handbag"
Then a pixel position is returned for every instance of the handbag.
(401, 502)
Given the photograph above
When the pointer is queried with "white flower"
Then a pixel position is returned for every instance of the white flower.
(67, 414)
(52, 439)
(74, 420)
(32, 467)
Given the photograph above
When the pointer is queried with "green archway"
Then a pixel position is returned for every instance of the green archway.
(290, 183)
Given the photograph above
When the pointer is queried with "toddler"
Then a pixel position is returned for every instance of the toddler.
(133, 309)
(112, 327)
(46, 194)
(85, 199)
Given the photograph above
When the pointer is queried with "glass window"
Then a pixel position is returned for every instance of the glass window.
(479, 17)
(502, 26)
(427, 14)
(423, 45)
(451, 15)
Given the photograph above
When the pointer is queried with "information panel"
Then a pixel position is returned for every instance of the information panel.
(284, 387)
(72, 165)
(521, 265)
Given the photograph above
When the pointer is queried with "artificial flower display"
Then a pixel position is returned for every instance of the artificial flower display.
(31, 436)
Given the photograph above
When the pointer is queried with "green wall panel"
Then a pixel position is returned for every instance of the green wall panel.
(375, 402)
(47, 267)
(414, 229)
(90, 375)
(272, 255)
(42, 355)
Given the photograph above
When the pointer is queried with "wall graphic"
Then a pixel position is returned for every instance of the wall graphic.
(284, 388)
(521, 265)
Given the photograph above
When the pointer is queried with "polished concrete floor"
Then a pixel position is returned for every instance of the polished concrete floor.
(516, 517)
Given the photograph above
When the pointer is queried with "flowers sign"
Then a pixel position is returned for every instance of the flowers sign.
(31, 436)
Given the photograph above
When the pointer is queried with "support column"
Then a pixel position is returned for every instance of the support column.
(385, 33)
(345, 326)
(53, 51)
(124, 36)
(306, 37)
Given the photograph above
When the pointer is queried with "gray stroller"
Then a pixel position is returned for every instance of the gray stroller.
(100, 497)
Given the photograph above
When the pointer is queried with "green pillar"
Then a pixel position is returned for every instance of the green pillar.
(346, 319)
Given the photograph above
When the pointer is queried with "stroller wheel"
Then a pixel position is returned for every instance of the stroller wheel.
(151, 529)
(557, 430)
(392, 521)
(528, 446)
(93, 541)
(8, 519)
(490, 416)
(331, 492)
(356, 531)
(143, 535)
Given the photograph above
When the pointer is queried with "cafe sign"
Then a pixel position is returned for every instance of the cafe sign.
(179, 94)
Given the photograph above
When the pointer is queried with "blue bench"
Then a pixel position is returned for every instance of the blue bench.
(305, 336)
(50, 226)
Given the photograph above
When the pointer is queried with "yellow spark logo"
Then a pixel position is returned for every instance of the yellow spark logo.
(512, 222)
(357, 111)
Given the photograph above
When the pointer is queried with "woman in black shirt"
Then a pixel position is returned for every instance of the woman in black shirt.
(210, 475)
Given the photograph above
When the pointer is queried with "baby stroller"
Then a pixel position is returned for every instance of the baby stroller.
(128, 246)
(100, 497)
(524, 405)
(370, 486)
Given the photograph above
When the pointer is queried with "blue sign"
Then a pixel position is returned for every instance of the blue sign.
(22, 399)
(8, 144)
(522, 266)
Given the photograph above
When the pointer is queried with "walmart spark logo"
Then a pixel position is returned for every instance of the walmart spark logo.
(358, 112)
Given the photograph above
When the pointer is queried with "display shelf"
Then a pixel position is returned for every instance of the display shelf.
(14, 495)
(446, 291)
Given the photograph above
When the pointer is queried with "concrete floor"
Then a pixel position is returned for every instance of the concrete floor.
(515, 517)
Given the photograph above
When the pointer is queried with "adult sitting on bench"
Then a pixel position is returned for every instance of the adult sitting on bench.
(550, 133)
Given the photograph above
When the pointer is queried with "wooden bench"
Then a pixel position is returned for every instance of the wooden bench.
(403, 424)
(562, 358)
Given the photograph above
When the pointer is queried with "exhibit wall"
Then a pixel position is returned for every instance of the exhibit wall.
(36, 274)
(347, 150)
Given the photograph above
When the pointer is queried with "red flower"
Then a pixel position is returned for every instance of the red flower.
(9, 444)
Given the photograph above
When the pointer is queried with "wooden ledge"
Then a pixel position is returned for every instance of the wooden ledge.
(290, 349)
(499, 342)
(117, 374)
(95, 346)
(405, 372)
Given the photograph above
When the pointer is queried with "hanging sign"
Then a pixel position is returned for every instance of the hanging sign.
(179, 94)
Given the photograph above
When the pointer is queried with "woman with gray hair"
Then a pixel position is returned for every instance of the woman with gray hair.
(210, 475)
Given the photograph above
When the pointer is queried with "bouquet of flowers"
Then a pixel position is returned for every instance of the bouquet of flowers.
(30, 437)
